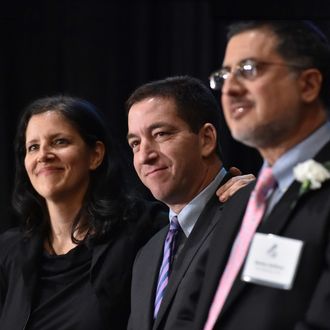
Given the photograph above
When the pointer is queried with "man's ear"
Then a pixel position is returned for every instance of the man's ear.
(97, 155)
(310, 84)
(208, 139)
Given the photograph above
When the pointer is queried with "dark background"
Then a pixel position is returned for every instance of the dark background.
(102, 50)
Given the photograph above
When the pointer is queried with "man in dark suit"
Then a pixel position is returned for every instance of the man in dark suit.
(274, 91)
(173, 132)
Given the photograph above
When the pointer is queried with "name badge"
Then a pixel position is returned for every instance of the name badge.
(272, 261)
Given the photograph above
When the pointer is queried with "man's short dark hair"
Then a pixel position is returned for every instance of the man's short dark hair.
(195, 103)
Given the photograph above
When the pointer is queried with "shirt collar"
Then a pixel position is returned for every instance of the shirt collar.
(306, 149)
(190, 213)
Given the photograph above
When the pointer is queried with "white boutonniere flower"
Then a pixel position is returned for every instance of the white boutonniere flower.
(311, 174)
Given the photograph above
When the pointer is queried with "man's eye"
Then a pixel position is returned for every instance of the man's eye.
(248, 69)
(133, 144)
(160, 134)
(247, 72)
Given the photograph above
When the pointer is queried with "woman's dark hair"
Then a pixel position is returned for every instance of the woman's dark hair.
(104, 202)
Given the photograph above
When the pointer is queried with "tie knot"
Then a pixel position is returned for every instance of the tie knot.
(174, 224)
(265, 183)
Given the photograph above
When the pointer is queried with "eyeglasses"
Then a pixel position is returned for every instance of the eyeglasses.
(247, 69)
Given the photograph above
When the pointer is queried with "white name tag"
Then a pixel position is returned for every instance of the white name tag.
(272, 261)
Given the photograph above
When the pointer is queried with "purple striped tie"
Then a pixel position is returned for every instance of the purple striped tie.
(165, 268)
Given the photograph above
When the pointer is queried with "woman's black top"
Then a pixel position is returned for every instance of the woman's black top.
(64, 298)
(36, 290)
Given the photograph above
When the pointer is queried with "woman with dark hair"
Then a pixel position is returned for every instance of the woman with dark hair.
(69, 266)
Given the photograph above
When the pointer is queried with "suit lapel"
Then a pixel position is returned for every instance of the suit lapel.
(30, 255)
(148, 282)
(222, 242)
(98, 250)
(204, 226)
(202, 229)
(275, 223)
(282, 211)
(290, 201)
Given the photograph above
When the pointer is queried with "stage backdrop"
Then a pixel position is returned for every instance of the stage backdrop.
(101, 51)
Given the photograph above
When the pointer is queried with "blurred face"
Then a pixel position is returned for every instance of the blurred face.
(266, 110)
(57, 160)
(168, 157)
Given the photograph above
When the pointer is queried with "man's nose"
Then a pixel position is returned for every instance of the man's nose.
(233, 85)
(147, 152)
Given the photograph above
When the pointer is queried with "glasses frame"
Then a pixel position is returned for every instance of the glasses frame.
(247, 69)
